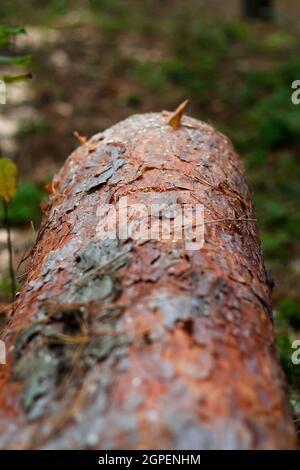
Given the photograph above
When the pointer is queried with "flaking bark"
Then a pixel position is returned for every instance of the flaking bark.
(128, 345)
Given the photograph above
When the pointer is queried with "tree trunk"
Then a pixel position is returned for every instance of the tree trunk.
(259, 9)
(145, 344)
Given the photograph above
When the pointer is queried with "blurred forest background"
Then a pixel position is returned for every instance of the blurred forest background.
(95, 62)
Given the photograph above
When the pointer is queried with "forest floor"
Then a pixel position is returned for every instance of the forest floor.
(98, 62)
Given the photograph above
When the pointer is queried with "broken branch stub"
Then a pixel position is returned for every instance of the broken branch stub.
(137, 342)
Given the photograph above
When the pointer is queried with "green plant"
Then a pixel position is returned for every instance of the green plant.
(289, 311)
(8, 169)
(6, 36)
(8, 188)
(25, 206)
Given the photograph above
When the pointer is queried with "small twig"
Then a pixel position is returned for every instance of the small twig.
(81, 138)
(32, 227)
(232, 219)
(61, 338)
(175, 119)
(100, 268)
(20, 276)
(25, 256)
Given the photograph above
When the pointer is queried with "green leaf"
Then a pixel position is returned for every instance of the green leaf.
(26, 204)
(8, 179)
(11, 31)
(18, 60)
(17, 78)
(6, 32)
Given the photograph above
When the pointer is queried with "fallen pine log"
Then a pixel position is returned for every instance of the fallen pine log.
(138, 343)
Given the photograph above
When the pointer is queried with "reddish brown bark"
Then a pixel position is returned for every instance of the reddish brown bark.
(145, 345)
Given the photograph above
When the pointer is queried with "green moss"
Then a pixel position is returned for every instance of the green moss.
(289, 312)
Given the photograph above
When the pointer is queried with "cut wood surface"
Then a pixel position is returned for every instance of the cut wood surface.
(130, 344)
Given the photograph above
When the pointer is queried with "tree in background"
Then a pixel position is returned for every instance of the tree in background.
(262, 9)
